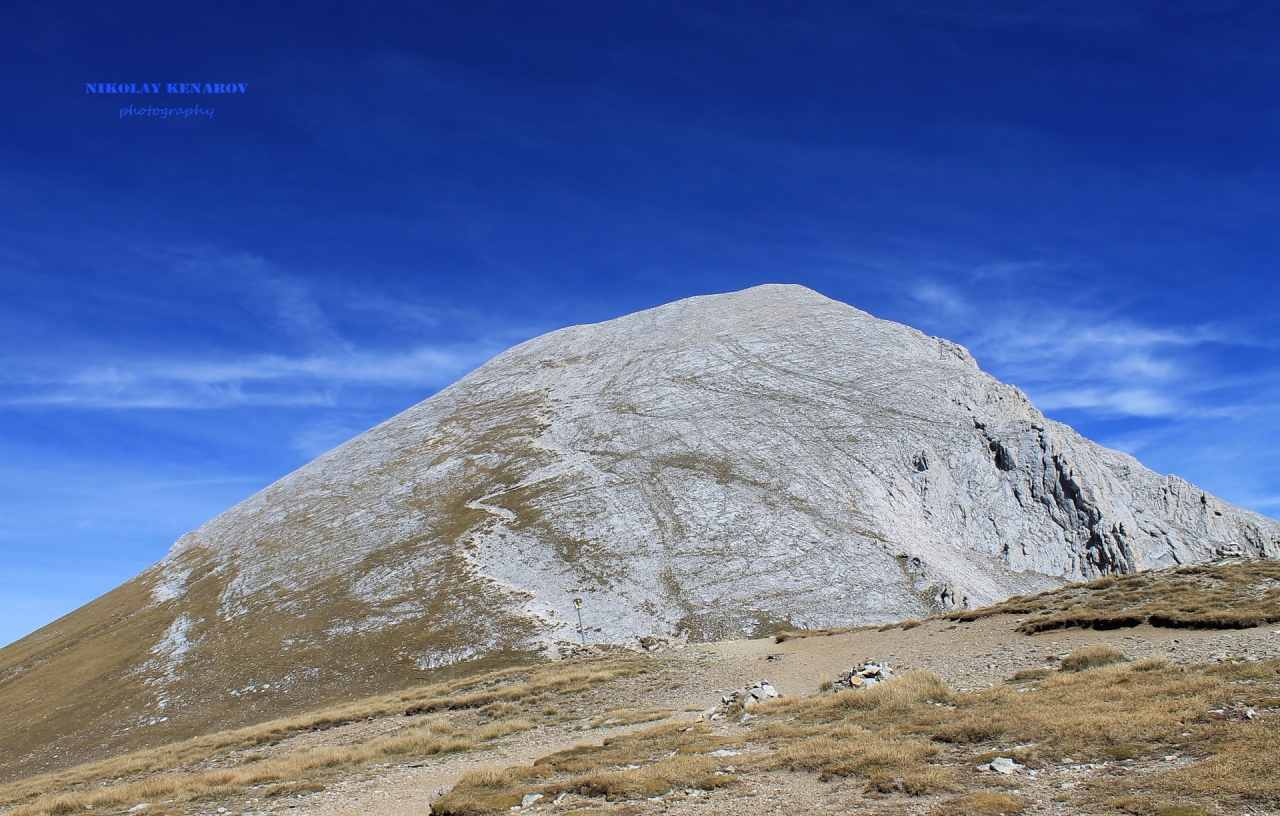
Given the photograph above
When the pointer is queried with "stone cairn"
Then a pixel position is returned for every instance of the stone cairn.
(864, 676)
(744, 699)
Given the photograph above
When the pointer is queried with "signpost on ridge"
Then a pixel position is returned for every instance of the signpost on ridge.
(582, 633)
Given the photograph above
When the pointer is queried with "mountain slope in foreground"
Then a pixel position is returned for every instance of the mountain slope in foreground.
(711, 468)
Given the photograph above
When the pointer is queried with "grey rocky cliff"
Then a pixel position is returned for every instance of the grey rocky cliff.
(707, 468)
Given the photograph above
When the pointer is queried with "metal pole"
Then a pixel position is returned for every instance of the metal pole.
(577, 604)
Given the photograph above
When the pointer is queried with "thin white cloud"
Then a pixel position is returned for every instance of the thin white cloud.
(264, 380)
(1130, 402)
(1066, 355)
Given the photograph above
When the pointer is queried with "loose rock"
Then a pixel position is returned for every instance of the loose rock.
(743, 699)
(864, 675)
(1001, 765)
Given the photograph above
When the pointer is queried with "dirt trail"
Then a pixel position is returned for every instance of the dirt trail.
(966, 656)
(408, 790)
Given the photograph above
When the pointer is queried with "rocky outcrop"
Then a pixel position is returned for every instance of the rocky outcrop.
(713, 467)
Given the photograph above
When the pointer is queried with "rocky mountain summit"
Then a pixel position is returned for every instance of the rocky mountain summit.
(707, 469)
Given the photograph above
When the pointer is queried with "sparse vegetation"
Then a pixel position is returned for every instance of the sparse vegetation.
(496, 705)
(911, 736)
(630, 716)
(1092, 657)
(1233, 595)
(794, 634)
(906, 736)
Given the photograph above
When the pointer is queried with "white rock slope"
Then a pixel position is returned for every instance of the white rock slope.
(707, 467)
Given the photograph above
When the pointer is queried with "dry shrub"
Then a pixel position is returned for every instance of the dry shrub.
(434, 737)
(928, 780)
(654, 779)
(500, 709)
(1153, 663)
(630, 716)
(971, 730)
(895, 695)
(1092, 657)
(484, 790)
(793, 634)
(1123, 752)
(293, 789)
(851, 751)
(902, 692)
(1029, 676)
(906, 624)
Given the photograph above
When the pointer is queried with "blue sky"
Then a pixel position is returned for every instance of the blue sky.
(1085, 194)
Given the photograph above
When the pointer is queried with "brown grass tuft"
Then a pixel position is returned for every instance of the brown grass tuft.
(1092, 657)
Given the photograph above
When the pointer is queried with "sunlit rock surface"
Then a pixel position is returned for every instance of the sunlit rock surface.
(707, 468)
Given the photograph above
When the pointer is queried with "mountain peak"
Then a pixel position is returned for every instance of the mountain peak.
(712, 468)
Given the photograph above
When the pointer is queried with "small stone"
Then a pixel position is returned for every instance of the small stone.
(1004, 765)
(139, 806)
(1250, 714)
(529, 799)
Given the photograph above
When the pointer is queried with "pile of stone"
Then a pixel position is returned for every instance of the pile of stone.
(743, 699)
(865, 675)
(566, 650)
(652, 643)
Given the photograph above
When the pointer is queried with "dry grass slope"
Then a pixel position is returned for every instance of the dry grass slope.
(486, 708)
(913, 736)
(911, 742)
(1238, 594)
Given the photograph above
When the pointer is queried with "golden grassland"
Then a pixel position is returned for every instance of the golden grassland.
(913, 736)
(495, 705)
(1233, 595)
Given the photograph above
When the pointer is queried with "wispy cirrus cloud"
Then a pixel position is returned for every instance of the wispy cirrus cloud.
(240, 331)
(312, 379)
(1067, 355)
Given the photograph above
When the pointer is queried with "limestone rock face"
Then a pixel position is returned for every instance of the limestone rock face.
(712, 466)
(707, 469)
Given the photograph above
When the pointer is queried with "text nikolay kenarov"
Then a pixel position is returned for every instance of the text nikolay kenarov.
(169, 87)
